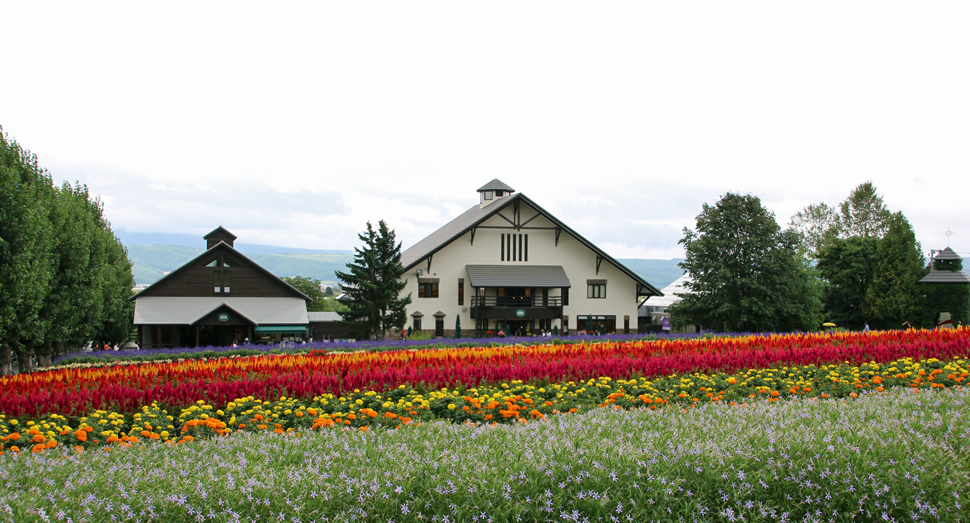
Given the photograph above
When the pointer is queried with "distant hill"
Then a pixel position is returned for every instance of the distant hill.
(151, 262)
(660, 273)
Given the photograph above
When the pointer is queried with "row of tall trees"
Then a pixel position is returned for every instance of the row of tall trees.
(854, 264)
(65, 279)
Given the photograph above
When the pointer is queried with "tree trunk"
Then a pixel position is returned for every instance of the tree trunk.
(6, 358)
(24, 357)
(44, 355)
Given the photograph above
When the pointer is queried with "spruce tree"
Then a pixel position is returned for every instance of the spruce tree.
(893, 296)
(374, 285)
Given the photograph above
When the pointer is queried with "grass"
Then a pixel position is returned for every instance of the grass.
(896, 456)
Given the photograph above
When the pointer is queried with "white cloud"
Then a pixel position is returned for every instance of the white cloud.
(298, 123)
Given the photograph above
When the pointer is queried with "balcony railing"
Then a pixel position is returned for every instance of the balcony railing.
(516, 301)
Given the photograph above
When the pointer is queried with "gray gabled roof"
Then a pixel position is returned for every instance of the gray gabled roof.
(495, 185)
(947, 254)
(179, 310)
(323, 316)
(549, 276)
(946, 277)
(471, 218)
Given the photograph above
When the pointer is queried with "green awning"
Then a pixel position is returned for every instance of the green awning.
(280, 329)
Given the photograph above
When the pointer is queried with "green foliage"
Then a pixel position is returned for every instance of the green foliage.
(948, 265)
(815, 223)
(945, 297)
(863, 213)
(847, 265)
(893, 297)
(420, 335)
(746, 274)
(65, 278)
(310, 287)
(374, 284)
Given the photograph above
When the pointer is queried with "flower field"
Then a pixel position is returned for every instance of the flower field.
(895, 456)
(181, 401)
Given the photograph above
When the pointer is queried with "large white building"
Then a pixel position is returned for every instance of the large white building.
(508, 265)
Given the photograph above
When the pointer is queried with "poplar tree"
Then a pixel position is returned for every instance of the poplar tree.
(25, 235)
(373, 284)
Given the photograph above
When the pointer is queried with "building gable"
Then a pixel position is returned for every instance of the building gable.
(518, 215)
(224, 268)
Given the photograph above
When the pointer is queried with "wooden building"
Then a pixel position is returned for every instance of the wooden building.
(218, 298)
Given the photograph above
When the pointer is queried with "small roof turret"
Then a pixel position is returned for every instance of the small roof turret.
(492, 191)
(219, 234)
(496, 185)
(947, 254)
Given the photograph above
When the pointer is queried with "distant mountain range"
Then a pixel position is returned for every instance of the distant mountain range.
(152, 261)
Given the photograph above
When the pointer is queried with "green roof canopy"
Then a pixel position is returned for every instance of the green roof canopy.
(280, 329)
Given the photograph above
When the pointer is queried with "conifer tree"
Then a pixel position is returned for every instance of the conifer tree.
(374, 285)
(893, 296)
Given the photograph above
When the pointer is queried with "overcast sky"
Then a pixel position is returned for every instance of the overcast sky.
(295, 123)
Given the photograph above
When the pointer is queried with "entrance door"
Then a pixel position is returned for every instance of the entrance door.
(519, 327)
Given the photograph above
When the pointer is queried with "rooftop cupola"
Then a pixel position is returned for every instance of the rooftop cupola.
(492, 191)
(218, 235)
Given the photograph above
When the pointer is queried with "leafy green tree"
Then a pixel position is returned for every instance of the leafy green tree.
(323, 300)
(116, 282)
(893, 297)
(374, 284)
(815, 223)
(863, 213)
(311, 287)
(746, 274)
(25, 235)
(848, 266)
(71, 292)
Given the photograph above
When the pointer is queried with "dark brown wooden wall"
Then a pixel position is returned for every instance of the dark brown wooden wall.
(195, 280)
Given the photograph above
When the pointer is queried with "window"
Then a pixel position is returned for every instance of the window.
(427, 287)
(417, 324)
(461, 291)
(221, 281)
(565, 296)
(596, 289)
(514, 247)
(488, 195)
(499, 194)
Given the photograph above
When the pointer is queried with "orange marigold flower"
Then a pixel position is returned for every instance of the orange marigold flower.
(877, 380)
(38, 438)
(774, 394)
(14, 436)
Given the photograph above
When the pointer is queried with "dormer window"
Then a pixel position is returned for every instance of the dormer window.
(499, 194)
(488, 195)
